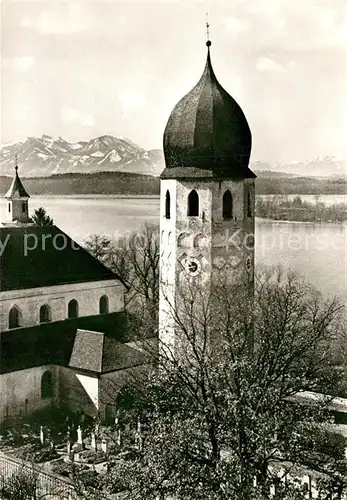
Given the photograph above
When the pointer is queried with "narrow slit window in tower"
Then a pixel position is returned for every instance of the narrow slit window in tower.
(167, 205)
(227, 205)
(193, 204)
(249, 204)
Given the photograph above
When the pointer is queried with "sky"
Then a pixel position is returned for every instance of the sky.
(79, 69)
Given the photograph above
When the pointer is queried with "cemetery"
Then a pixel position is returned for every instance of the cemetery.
(75, 448)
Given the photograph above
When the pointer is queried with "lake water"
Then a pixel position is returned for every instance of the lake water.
(317, 251)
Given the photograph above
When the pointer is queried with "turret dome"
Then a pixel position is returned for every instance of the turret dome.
(207, 131)
(16, 190)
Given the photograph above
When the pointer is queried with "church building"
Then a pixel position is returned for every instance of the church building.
(65, 337)
(64, 334)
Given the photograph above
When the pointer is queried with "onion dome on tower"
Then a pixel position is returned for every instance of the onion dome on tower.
(207, 134)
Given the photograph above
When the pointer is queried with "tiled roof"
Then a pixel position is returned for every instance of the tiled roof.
(52, 343)
(44, 256)
(96, 352)
(49, 343)
(207, 128)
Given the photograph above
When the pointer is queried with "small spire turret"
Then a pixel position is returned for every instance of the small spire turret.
(17, 199)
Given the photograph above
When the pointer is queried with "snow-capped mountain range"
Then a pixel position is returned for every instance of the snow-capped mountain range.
(322, 166)
(46, 155)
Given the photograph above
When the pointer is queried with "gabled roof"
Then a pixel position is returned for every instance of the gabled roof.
(16, 190)
(52, 343)
(43, 256)
(99, 353)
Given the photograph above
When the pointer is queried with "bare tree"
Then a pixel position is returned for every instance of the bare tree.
(221, 414)
(135, 259)
(100, 246)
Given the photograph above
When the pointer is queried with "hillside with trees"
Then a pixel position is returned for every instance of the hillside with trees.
(97, 183)
(283, 208)
(109, 183)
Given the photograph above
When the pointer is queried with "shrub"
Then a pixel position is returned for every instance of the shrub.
(36, 452)
(19, 486)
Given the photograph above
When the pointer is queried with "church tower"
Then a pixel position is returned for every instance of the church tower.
(17, 210)
(206, 197)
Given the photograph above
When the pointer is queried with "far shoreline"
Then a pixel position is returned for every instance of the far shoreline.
(150, 196)
(309, 223)
(96, 196)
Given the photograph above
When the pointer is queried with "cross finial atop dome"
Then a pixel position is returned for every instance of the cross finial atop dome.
(208, 42)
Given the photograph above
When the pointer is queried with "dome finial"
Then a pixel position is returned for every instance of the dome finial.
(16, 164)
(208, 42)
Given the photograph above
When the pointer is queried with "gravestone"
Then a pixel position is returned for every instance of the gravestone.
(42, 436)
(93, 442)
(118, 433)
(138, 437)
(104, 446)
(118, 438)
(79, 435)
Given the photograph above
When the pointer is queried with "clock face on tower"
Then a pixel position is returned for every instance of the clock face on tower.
(192, 267)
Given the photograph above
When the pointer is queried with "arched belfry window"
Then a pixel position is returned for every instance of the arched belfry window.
(72, 309)
(227, 205)
(249, 204)
(45, 314)
(103, 305)
(193, 204)
(46, 385)
(167, 205)
(14, 318)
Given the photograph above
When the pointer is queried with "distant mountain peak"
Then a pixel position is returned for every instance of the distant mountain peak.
(321, 166)
(47, 155)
